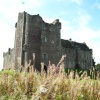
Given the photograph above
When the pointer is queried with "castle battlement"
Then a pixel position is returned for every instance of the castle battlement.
(8, 52)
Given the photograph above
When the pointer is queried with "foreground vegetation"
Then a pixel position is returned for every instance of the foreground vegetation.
(55, 85)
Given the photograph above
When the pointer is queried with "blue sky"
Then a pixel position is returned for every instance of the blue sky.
(80, 20)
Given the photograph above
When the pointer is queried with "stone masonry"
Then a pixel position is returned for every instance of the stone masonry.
(33, 35)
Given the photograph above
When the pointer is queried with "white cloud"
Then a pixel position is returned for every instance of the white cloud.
(47, 19)
(97, 4)
(6, 35)
(11, 9)
(79, 2)
(82, 21)
(61, 0)
(6, 39)
(83, 18)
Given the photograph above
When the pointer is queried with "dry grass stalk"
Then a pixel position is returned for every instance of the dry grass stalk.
(55, 86)
(62, 59)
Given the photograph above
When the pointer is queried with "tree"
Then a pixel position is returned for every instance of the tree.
(93, 62)
(97, 66)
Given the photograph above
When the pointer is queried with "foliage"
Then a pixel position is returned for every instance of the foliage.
(56, 84)
(97, 66)
(93, 74)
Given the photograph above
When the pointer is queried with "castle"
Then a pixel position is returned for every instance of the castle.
(33, 35)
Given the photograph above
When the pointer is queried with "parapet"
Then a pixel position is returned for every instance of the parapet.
(56, 22)
(73, 45)
(33, 18)
(38, 18)
(8, 52)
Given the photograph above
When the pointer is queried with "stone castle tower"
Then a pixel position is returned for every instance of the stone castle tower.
(33, 35)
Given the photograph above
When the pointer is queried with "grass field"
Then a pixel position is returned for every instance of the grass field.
(56, 84)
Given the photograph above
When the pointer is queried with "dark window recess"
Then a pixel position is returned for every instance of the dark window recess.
(45, 56)
(44, 39)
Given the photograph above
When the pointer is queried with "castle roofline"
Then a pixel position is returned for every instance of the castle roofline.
(24, 12)
(73, 44)
(55, 22)
(8, 52)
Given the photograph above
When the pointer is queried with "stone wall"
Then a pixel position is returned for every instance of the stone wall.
(8, 59)
(43, 39)
(33, 39)
(85, 59)
(70, 60)
(80, 57)
(50, 42)
(19, 40)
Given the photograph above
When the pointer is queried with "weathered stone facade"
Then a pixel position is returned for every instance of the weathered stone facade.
(8, 59)
(78, 54)
(33, 35)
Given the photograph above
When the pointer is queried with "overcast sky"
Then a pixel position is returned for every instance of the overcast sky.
(80, 20)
